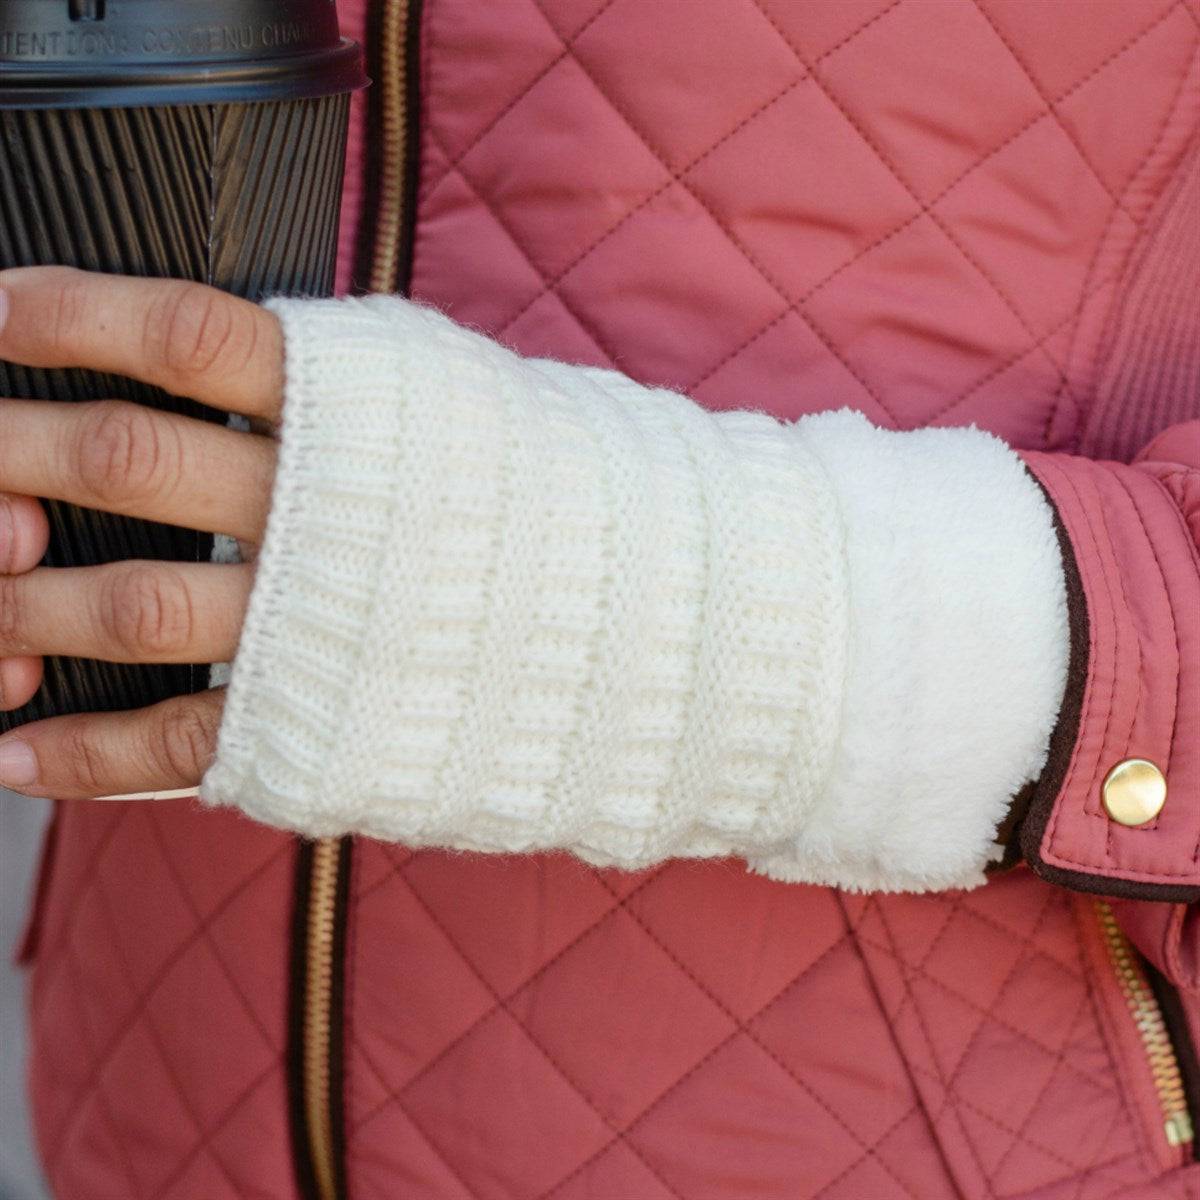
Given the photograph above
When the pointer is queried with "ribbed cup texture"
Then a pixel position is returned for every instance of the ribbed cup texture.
(245, 197)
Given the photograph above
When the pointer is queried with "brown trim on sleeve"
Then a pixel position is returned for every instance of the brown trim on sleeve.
(1034, 805)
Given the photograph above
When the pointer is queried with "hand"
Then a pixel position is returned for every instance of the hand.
(125, 458)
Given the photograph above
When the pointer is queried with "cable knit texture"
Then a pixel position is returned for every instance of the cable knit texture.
(507, 604)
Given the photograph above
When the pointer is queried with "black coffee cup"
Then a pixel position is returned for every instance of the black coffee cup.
(189, 139)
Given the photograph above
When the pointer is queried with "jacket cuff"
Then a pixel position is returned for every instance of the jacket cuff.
(1133, 683)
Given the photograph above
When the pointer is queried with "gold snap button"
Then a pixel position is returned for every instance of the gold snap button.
(1134, 792)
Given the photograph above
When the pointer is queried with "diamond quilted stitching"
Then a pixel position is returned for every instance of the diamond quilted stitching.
(1081, 1117)
(658, 1045)
(858, 1073)
(392, 1158)
(866, 1177)
(957, 337)
(1046, 99)
(469, 238)
(798, 1146)
(1025, 372)
(645, 57)
(506, 1117)
(524, 43)
(625, 884)
(571, 17)
(962, 939)
(548, 329)
(1153, 64)
(865, 1146)
(991, 1049)
(818, 29)
(113, 1000)
(690, 911)
(471, 1029)
(423, 1027)
(146, 1020)
(249, 947)
(219, 869)
(1019, 977)
(376, 865)
(96, 1141)
(914, 1161)
(205, 1033)
(564, 119)
(497, 914)
(253, 1156)
(1023, 909)
(1047, 36)
(617, 1172)
(951, 1054)
(681, 275)
(769, 365)
(931, 134)
(142, 1101)
(202, 1177)
(788, 209)
(1010, 216)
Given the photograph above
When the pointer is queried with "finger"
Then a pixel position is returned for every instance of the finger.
(130, 611)
(24, 532)
(125, 458)
(190, 339)
(84, 755)
(20, 678)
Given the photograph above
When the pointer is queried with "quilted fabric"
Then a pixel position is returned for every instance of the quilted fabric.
(545, 1030)
(159, 1006)
(922, 208)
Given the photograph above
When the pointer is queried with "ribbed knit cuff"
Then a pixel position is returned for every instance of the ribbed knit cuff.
(508, 604)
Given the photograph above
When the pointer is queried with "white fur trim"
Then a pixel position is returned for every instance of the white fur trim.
(957, 660)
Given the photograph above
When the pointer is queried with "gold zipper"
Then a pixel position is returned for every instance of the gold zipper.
(318, 1013)
(393, 86)
(1152, 1028)
(321, 941)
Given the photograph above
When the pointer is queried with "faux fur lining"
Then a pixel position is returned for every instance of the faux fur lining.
(957, 663)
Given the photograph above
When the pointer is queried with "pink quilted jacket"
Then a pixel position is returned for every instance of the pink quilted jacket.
(940, 212)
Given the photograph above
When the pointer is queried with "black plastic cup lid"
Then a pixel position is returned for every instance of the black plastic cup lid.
(126, 53)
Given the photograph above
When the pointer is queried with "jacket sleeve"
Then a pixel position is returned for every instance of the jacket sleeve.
(1117, 809)
(512, 605)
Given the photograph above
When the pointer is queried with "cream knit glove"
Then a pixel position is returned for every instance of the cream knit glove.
(511, 605)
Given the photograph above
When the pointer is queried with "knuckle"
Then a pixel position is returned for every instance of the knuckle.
(67, 309)
(185, 738)
(84, 758)
(123, 453)
(12, 623)
(147, 611)
(193, 331)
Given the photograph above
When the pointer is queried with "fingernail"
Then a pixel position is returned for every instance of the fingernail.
(4, 306)
(18, 765)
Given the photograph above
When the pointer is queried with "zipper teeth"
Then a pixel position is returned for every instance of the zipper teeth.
(327, 853)
(322, 909)
(393, 86)
(1148, 1019)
